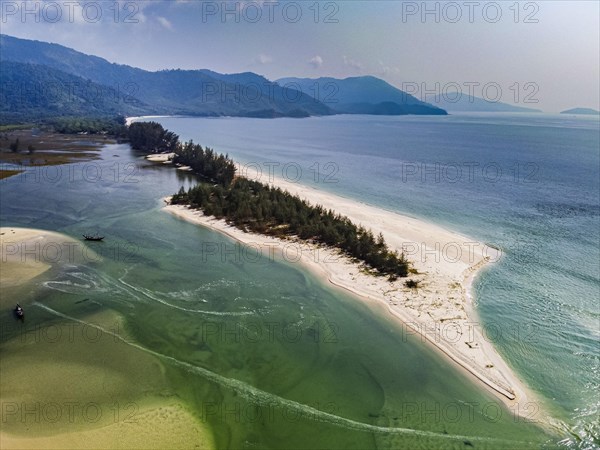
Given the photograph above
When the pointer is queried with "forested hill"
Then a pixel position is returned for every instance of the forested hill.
(185, 92)
(30, 92)
(362, 95)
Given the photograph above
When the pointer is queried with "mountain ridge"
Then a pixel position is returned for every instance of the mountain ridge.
(201, 92)
(32, 92)
(361, 95)
(175, 91)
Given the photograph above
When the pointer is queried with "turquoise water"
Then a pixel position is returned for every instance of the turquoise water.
(529, 184)
(265, 354)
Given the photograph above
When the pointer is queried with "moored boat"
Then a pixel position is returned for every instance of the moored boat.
(19, 312)
(88, 237)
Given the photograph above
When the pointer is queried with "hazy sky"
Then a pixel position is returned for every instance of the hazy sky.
(517, 52)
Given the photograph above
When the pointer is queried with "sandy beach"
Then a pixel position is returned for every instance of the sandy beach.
(67, 391)
(166, 158)
(439, 312)
(160, 157)
(27, 253)
(130, 120)
(73, 392)
(155, 427)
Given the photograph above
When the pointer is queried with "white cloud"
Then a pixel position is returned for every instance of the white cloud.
(387, 70)
(352, 63)
(263, 59)
(165, 23)
(316, 61)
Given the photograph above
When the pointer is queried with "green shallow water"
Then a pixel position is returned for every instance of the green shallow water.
(259, 350)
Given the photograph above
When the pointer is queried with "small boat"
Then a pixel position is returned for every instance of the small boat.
(19, 312)
(88, 237)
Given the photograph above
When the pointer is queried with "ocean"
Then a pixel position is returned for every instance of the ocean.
(287, 362)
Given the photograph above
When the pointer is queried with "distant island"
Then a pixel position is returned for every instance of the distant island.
(461, 102)
(582, 111)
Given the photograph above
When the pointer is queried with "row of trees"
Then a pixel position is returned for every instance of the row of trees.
(216, 168)
(107, 125)
(114, 126)
(254, 206)
(257, 207)
(151, 137)
(15, 147)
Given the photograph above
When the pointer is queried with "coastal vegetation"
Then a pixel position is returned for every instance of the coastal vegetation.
(258, 207)
(55, 141)
(412, 284)
(151, 137)
(58, 140)
(261, 208)
(205, 162)
(14, 126)
(99, 125)
(109, 125)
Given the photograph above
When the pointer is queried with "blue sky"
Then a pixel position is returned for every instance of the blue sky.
(542, 54)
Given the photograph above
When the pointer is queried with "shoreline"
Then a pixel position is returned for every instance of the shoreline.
(29, 252)
(129, 120)
(440, 312)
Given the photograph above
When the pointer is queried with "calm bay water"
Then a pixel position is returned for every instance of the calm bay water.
(267, 356)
